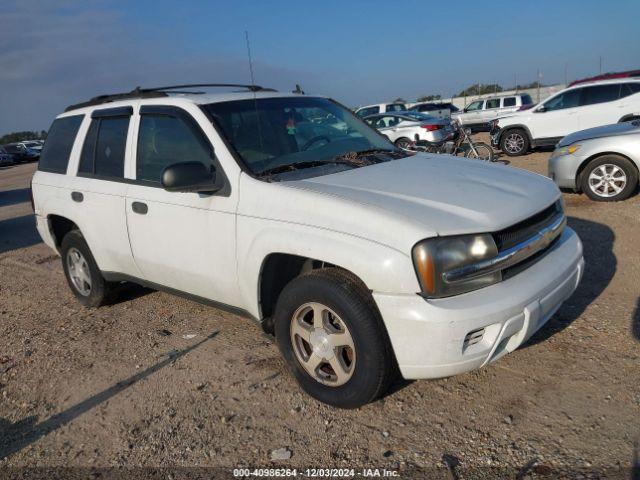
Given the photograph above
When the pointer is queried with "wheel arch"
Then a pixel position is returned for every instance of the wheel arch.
(59, 226)
(583, 165)
(267, 262)
(517, 126)
(629, 117)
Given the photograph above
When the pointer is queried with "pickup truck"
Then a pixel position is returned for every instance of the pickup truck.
(364, 260)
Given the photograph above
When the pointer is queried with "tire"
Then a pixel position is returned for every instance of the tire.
(81, 271)
(345, 302)
(514, 142)
(485, 152)
(403, 143)
(620, 178)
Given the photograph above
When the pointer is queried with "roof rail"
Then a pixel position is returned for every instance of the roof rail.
(155, 92)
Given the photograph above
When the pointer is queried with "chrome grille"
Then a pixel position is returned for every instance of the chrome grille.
(521, 231)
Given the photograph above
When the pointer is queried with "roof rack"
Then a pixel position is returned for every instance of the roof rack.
(155, 92)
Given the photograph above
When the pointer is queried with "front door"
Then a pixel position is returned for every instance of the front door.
(184, 241)
(558, 117)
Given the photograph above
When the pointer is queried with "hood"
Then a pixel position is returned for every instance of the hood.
(624, 128)
(442, 194)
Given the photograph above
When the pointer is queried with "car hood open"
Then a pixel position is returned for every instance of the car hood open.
(445, 194)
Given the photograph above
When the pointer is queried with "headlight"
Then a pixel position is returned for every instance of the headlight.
(435, 256)
(568, 150)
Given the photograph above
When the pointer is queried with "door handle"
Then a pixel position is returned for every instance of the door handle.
(77, 197)
(139, 207)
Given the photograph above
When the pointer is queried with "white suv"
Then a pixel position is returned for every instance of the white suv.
(582, 106)
(478, 115)
(363, 259)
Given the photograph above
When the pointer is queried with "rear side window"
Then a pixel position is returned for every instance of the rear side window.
(55, 153)
(104, 147)
(509, 102)
(600, 94)
(493, 103)
(164, 140)
(629, 89)
(526, 99)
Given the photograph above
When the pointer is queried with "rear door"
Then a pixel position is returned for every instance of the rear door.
(600, 105)
(185, 241)
(508, 105)
(96, 197)
(491, 110)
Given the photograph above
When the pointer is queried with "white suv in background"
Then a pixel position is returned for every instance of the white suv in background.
(586, 105)
(362, 258)
(478, 115)
(380, 108)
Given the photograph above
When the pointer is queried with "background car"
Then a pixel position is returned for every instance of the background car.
(478, 115)
(21, 153)
(404, 128)
(5, 158)
(440, 110)
(586, 105)
(380, 108)
(602, 162)
(35, 145)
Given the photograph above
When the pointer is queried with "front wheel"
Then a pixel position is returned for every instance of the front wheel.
(333, 339)
(482, 152)
(514, 142)
(609, 178)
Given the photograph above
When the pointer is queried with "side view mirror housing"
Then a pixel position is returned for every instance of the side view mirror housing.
(190, 177)
(540, 109)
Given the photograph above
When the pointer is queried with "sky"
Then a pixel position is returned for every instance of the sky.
(54, 53)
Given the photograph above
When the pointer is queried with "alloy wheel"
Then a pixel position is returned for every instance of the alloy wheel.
(607, 180)
(514, 143)
(79, 271)
(323, 344)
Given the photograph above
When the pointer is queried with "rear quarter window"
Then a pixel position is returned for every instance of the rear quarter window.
(57, 148)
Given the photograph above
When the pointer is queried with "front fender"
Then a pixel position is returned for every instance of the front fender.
(381, 268)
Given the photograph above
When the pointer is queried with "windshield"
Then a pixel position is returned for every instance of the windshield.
(268, 133)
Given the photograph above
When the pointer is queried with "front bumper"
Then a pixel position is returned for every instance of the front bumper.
(563, 170)
(428, 336)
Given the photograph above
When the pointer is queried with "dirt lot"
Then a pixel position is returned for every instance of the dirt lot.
(158, 381)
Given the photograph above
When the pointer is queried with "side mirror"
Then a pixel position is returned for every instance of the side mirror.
(540, 109)
(190, 177)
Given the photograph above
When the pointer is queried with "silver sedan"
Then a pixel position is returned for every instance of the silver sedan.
(601, 162)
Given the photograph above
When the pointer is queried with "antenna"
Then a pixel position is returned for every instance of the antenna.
(255, 100)
(246, 37)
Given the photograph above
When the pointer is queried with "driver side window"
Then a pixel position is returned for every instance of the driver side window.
(568, 99)
(475, 106)
(164, 140)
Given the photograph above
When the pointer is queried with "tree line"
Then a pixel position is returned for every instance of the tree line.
(22, 136)
(480, 89)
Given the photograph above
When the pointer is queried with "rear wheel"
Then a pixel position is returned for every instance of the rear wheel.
(333, 339)
(482, 152)
(82, 272)
(609, 178)
(514, 142)
(403, 143)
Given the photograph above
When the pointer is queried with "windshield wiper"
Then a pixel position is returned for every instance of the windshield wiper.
(289, 167)
(353, 159)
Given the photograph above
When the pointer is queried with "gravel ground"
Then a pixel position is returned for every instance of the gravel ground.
(157, 381)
